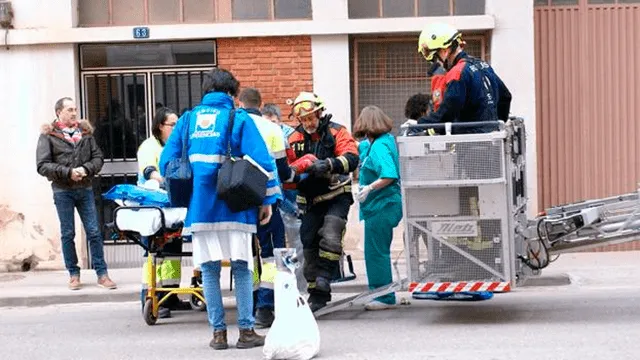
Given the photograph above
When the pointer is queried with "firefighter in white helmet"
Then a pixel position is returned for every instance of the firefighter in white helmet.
(327, 153)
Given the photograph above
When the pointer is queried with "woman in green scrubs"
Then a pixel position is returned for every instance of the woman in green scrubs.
(379, 196)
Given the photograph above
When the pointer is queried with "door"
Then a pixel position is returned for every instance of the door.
(116, 104)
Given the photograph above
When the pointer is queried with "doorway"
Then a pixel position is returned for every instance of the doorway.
(119, 98)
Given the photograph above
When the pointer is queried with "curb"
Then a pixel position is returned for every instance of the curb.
(122, 296)
(133, 296)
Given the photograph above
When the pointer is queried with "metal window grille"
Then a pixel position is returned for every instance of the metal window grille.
(388, 71)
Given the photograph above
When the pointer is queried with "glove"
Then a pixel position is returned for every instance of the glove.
(320, 167)
(410, 122)
(363, 193)
(303, 163)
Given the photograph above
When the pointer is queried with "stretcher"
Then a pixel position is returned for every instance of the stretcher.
(159, 226)
(467, 235)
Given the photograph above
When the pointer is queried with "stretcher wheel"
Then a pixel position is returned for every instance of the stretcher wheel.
(197, 304)
(147, 313)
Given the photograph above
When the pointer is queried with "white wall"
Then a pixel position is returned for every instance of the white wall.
(34, 14)
(512, 56)
(33, 78)
(330, 58)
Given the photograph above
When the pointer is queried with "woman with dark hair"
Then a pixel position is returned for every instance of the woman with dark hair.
(217, 232)
(150, 149)
(168, 271)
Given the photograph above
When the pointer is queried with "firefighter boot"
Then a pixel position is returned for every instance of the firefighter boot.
(264, 318)
(248, 339)
(321, 294)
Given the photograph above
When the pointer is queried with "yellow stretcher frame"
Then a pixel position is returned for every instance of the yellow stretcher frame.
(155, 244)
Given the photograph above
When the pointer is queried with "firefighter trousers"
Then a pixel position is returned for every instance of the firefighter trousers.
(322, 231)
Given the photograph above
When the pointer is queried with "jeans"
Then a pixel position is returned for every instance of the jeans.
(213, 294)
(83, 201)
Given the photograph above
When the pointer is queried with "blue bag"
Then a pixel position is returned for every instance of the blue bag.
(178, 174)
(139, 194)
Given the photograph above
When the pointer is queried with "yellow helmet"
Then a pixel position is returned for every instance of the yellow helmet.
(437, 36)
(305, 104)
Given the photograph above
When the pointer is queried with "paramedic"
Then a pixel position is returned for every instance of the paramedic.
(168, 270)
(217, 232)
(288, 206)
(472, 90)
(327, 152)
(380, 198)
(271, 235)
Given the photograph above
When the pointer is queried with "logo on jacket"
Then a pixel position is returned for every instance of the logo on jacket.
(206, 125)
(436, 96)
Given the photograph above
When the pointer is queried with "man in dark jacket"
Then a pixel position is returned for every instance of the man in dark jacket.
(68, 155)
(472, 90)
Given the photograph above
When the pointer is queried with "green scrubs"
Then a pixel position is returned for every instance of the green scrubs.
(381, 211)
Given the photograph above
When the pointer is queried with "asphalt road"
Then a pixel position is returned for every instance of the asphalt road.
(565, 322)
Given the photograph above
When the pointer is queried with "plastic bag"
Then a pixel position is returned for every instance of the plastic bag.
(294, 334)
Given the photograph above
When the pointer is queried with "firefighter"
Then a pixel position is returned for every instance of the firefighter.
(469, 92)
(472, 90)
(328, 154)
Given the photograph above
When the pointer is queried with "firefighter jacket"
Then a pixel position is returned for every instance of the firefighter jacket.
(331, 141)
(473, 93)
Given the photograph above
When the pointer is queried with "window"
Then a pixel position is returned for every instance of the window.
(386, 72)
(362, 9)
(143, 12)
(166, 54)
(271, 9)
(555, 2)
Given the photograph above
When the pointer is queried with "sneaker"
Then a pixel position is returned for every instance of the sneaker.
(74, 282)
(106, 283)
(377, 305)
(163, 313)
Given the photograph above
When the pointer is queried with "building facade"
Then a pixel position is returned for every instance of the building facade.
(122, 58)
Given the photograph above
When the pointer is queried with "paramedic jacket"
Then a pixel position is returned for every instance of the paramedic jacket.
(208, 124)
(473, 93)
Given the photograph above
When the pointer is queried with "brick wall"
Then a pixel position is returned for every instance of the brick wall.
(279, 67)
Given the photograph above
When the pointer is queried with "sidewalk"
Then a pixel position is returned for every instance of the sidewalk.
(39, 288)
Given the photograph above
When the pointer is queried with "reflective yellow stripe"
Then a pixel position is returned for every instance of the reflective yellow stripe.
(268, 275)
(311, 284)
(301, 199)
(329, 255)
(345, 163)
(332, 194)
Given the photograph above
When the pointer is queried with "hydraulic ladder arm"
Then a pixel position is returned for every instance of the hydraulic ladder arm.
(582, 225)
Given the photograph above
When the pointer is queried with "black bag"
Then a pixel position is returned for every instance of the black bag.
(178, 174)
(241, 184)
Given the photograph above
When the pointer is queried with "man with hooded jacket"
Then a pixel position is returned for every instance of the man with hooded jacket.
(69, 157)
(328, 154)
